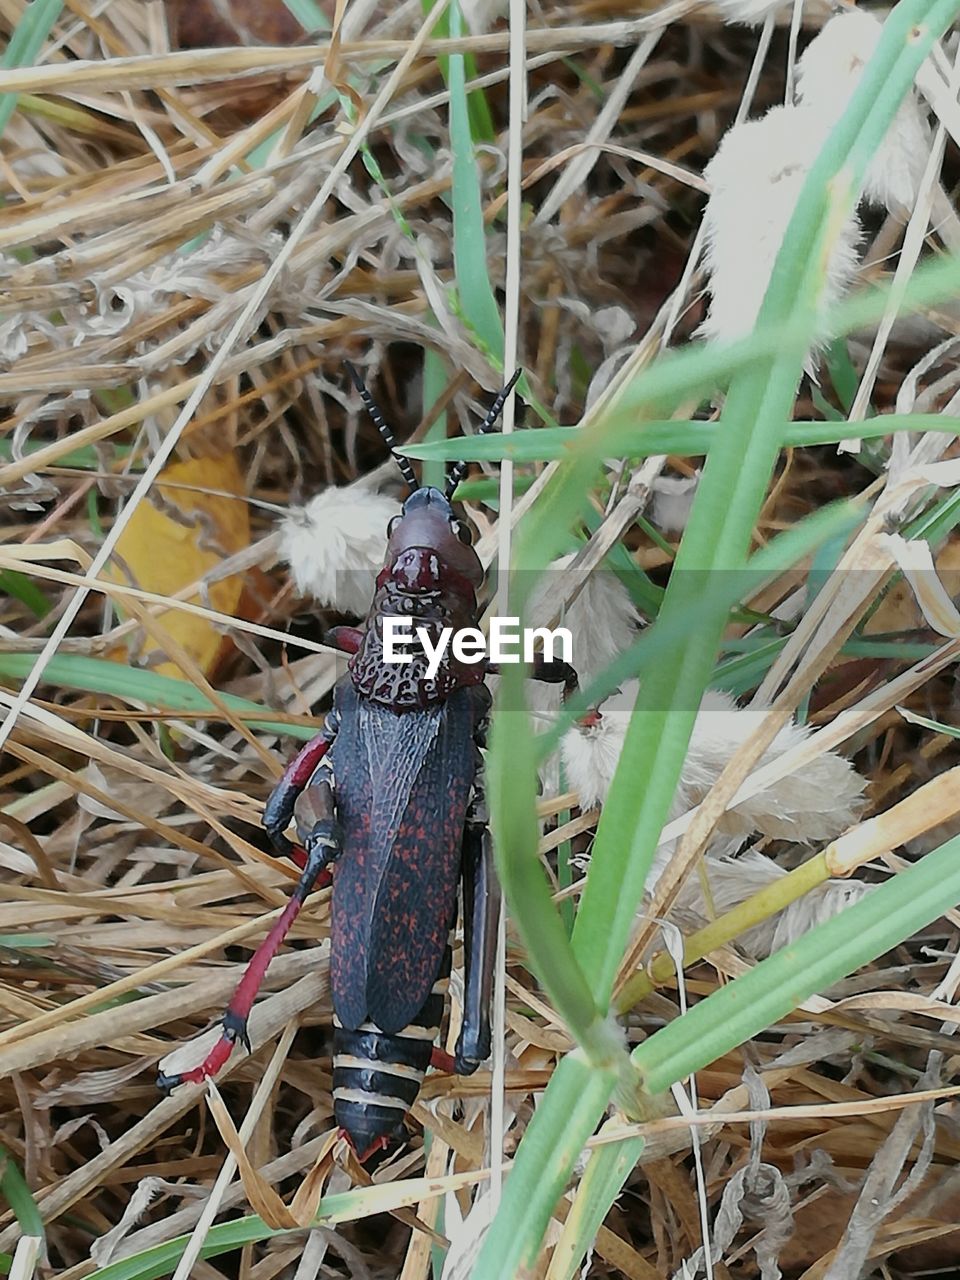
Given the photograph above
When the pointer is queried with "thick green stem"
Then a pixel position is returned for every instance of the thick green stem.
(756, 1000)
(542, 1167)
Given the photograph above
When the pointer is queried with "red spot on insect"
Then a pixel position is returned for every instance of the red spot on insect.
(440, 1060)
(380, 1144)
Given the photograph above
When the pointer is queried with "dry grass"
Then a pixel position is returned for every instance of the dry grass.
(135, 877)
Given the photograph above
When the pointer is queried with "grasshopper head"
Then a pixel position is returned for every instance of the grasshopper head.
(428, 545)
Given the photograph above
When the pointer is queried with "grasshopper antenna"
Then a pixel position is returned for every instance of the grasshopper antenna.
(459, 469)
(380, 423)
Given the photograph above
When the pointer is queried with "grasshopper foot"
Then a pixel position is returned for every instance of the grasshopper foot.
(235, 1028)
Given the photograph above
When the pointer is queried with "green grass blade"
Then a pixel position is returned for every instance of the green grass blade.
(166, 693)
(309, 14)
(18, 1196)
(843, 375)
(85, 459)
(21, 587)
(481, 121)
(606, 1172)
(39, 19)
(434, 384)
(950, 730)
(162, 1259)
(624, 437)
(542, 1167)
(514, 826)
(885, 917)
(477, 302)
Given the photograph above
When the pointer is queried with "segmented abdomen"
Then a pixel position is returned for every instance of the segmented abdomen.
(376, 1077)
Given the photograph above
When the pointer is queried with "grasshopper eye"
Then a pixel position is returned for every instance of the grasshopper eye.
(392, 526)
(462, 532)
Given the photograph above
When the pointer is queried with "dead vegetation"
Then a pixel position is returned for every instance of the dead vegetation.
(164, 249)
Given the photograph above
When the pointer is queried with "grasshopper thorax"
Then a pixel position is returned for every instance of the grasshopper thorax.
(431, 576)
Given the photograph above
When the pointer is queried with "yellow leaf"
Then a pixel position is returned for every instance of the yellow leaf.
(186, 527)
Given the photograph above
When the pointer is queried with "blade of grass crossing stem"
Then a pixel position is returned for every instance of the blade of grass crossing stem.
(624, 437)
(717, 538)
(606, 1171)
(730, 1016)
(735, 1013)
(728, 500)
(15, 1191)
(552, 1145)
(39, 19)
(477, 302)
(512, 781)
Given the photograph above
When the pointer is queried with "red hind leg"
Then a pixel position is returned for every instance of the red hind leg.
(322, 848)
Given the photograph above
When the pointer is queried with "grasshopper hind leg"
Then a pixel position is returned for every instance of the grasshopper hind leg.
(321, 844)
(481, 914)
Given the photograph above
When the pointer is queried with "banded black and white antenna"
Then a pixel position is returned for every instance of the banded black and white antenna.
(381, 424)
(459, 469)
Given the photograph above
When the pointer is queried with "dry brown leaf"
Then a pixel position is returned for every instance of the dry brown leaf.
(306, 1200)
(182, 533)
(263, 1199)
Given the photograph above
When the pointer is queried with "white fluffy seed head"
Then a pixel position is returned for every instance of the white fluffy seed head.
(748, 12)
(602, 619)
(590, 755)
(733, 880)
(807, 807)
(335, 546)
(829, 72)
(756, 178)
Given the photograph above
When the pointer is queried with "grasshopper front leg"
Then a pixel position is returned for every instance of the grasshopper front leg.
(280, 804)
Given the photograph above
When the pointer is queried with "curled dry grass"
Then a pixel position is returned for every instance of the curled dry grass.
(146, 194)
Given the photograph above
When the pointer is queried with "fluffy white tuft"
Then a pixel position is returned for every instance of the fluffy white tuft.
(335, 546)
(806, 807)
(733, 880)
(756, 177)
(827, 75)
(602, 619)
(748, 12)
